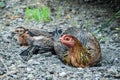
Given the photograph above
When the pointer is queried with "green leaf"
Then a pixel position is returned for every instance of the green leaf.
(2, 4)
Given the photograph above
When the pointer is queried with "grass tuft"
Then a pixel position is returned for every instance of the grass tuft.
(38, 14)
(107, 23)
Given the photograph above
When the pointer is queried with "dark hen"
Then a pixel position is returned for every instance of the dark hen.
(38, 41)
(25, 34)
(77, 48)
(39, 44)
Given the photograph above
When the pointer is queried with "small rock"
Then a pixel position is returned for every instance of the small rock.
(51, 72)
(22, 66)
(49, 77)
(29, 69)
(62, 74)
(73, 79)
(33, 62)
(99, 35)
(112, 70)
(36, 63)
(31, 76)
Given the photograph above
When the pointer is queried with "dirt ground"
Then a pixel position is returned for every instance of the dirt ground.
(64, 14)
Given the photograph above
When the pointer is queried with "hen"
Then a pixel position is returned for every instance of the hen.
(77, 48)
(36, 40)
(25, 34)
(39, 44)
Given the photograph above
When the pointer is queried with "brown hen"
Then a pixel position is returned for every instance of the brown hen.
(78, 48)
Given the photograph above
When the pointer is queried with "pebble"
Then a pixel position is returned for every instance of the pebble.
(31, 76)
(49, 77)
(62, 74)
(112, 70)
(29, 69)
(22, 65)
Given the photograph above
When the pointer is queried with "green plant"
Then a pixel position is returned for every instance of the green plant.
(58, 12)
(75, 23)
(2, 4)
(106, 24)
(104, 38)
(39, 14)
(87, 24)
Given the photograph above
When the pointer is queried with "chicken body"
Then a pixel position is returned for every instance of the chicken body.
(38, 41)
(25, 35)
(40, 44)
(78, 48)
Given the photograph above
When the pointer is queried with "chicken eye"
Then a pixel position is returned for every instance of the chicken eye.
(21, 30)
(67, 39)
(17, 30)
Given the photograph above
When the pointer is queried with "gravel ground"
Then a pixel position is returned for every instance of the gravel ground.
(47, 66)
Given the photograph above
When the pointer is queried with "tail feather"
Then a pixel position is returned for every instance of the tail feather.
(27, 54)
